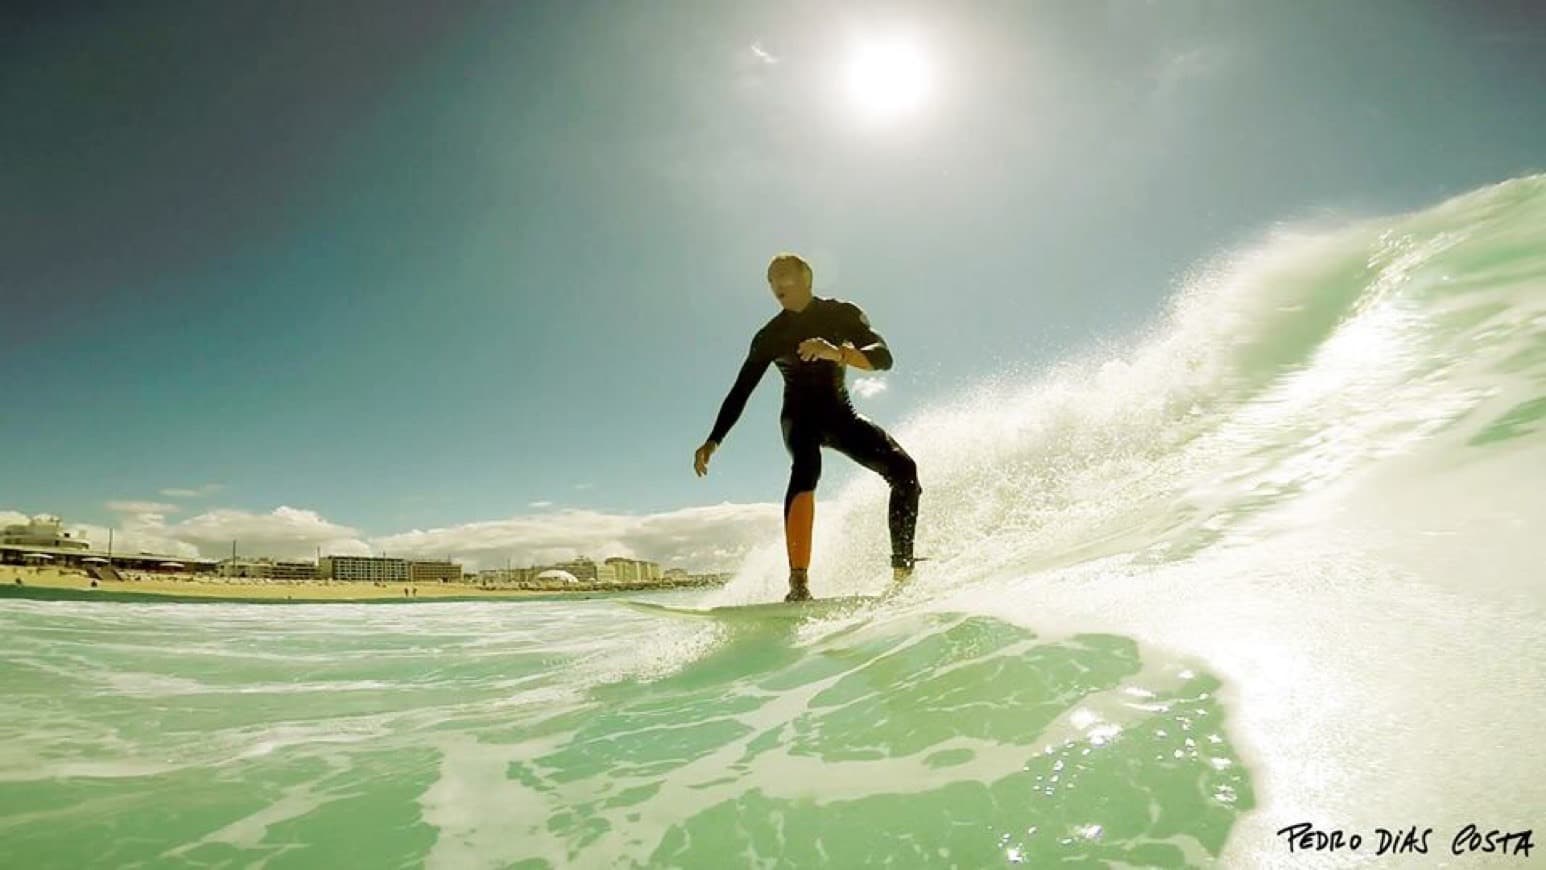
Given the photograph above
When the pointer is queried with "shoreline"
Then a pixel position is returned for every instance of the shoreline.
(53, 584)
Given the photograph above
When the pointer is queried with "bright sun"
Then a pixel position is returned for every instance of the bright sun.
(888, 78)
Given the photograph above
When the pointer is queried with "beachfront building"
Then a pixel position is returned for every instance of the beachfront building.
(587, 572)
(42, 530)
(496, 576)
(282, 570)
(239, 568)
(268, 569)
(517, 576)
(43, 542)
(434, 572)
(363, 569)
(583, 569)
(632, 570)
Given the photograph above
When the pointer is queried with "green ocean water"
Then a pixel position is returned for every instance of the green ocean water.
(1275, 560)
(368, 734)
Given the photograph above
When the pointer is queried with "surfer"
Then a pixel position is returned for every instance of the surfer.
(810, 341)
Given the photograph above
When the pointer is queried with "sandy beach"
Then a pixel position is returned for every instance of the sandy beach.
(189, 586)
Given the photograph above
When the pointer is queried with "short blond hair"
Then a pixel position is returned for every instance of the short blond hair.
(785, 260)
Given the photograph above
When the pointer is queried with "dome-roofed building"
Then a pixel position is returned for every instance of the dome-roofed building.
(556, 575)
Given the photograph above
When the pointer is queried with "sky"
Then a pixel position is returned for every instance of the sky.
(472, 279)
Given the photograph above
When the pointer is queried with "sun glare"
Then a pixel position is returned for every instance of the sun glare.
(888, 78)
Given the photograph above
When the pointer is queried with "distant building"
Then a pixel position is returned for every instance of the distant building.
(42, 530)
(582, 569)
(267, 569)
(491, 576)
(43, 541)
(434, 572)
(367, 569)
(632, 570)
(616, 570)
(283, 570)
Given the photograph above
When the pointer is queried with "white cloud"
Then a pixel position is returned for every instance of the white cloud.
(142, 507)
(751, 67)
(206, 489)
(699, 538)
(133, 534)
(284, 533)
(708, 538)
(145, 533)
(867, 387)
(762, 54)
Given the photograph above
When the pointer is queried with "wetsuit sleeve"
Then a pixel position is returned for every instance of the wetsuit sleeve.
(865, 338)
(751, 372)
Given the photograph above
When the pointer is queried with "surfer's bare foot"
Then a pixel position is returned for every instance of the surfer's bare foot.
(799, 589)
(902, 570)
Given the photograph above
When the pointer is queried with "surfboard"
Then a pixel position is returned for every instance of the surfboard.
(764, 610)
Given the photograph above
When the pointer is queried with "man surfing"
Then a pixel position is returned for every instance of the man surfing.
(811, 340)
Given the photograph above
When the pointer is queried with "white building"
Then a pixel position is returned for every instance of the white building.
(632, 570)
(42, 531)
(582, 569)
(268, 569)
(490, 576)
(367, 569)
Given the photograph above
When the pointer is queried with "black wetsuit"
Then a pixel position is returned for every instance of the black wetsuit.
(817, 412)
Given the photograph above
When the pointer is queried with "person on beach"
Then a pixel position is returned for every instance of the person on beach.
(811, 341)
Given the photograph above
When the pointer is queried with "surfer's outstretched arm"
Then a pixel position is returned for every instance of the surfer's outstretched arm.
(735, 401)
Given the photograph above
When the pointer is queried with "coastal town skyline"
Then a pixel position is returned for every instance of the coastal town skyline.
(286, 544)
(44, 556)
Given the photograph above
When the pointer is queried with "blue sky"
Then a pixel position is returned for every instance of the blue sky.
(473, 280)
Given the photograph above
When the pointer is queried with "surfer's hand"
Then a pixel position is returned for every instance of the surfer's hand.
(700, 459)
(818, 348)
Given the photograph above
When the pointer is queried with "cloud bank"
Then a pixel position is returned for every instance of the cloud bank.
(706, 538)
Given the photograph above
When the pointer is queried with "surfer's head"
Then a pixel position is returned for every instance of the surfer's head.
(789, 276)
